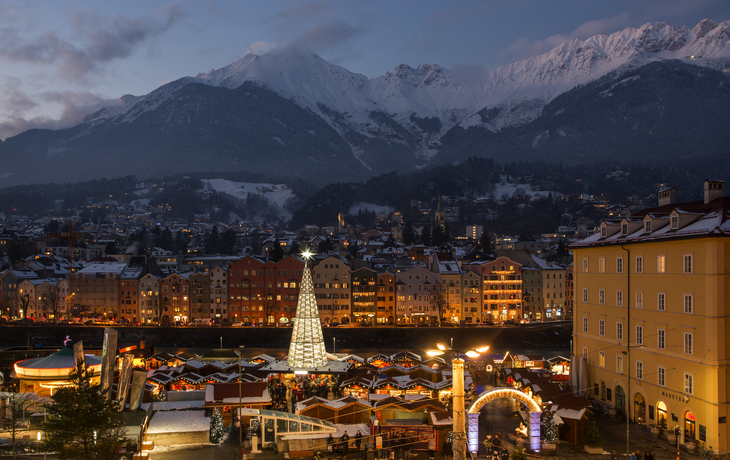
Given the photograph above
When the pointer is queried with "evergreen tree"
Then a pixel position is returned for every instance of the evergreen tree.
(438, 236)
(486, 242)
(409, 234)
(277, 253)
(426, 236)
(165, 240)
(228, 242)
(82, 423)
(212, 244)
(217, 430)
(295, 250)
(594, 438)
(181, 243)
(110, 248)
(548, 427)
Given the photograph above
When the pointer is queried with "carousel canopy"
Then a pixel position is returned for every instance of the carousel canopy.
(55, 366)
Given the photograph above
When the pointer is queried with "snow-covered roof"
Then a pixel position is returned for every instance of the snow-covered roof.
(178, 422)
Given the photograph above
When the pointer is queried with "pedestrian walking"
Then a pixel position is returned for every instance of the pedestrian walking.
(431, 448)
(358, 440)
(345, 443)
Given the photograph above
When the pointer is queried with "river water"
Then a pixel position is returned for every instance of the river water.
(280, 353)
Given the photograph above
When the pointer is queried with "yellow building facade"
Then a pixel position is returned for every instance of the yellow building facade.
(651, 295)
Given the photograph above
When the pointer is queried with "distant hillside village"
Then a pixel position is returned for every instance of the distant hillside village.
(133, 268)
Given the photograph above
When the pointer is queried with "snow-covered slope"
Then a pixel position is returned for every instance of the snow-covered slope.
(278, 195)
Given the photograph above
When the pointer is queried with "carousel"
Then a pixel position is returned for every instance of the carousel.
(43, 376)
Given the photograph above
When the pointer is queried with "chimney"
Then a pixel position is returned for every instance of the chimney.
(713, 189)
(667, 196)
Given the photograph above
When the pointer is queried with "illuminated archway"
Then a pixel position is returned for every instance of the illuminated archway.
(498, 393)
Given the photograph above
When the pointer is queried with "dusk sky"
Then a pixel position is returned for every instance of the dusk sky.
(59, 55)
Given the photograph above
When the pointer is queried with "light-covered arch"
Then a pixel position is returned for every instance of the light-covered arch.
(504, 392)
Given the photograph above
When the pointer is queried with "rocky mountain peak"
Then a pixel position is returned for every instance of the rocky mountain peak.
(704, 26)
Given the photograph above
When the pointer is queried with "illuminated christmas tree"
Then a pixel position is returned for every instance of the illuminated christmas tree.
(306, 350)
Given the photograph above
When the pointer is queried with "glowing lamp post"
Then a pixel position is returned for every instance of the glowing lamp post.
(457, 379)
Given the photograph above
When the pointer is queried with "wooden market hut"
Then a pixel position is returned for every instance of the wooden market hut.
(349, 410)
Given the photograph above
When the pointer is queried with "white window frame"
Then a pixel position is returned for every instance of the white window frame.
(585, 295)
(585, 353)
(585, 265)
(585, 324)
(688, 304)
(620, 364)
(661, 264)
(602, 296)
(661, 339)
(661, 301)
(674, 222)
(639, 299)
(688, 343)
(639, 370)
(661, 376)
(640, 335)
(688, 383)
(619, 264)
(619, 331)
(647, 226)
(619, 298)
(602, 327)
(639, 264)
(688, 264)
(601, 265)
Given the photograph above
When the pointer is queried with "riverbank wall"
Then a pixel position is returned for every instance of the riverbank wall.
(541, 335)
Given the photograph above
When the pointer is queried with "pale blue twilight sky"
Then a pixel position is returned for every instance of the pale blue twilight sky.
(58, 55)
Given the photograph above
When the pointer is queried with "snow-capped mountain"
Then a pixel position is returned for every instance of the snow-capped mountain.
(292, 111)
(516, 93)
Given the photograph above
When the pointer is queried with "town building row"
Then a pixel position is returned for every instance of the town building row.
(257, 291)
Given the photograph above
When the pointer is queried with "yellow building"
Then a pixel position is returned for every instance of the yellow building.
(651, 296)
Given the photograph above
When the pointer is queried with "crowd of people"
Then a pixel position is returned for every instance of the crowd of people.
(283, 392)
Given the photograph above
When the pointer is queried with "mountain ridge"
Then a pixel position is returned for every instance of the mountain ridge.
(349, 127)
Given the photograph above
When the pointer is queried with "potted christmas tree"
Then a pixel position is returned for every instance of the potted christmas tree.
(217, 429)
(548, 433)
(594, 440)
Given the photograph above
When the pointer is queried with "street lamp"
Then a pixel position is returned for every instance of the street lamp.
(240, 398)
(457, 379)
(627, 396)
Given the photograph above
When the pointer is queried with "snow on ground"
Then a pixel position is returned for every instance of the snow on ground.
(191, 447)
(277, 194)
(509, 189)
(362, 206)
(140, 205)
(179, 421)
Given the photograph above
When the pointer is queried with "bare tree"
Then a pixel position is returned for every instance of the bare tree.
(270, 305)
(23, 303)
(54, 301)
(16, 422)
(439, 303)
